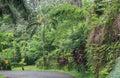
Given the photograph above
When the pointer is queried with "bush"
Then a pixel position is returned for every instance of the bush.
(101, 58)
(4, 66)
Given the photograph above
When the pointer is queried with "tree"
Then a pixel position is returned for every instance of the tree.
(13, 8)
(79, 2)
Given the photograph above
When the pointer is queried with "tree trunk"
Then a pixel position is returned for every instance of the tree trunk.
(79, 2)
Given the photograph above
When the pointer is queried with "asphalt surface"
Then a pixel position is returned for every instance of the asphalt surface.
(34, 74)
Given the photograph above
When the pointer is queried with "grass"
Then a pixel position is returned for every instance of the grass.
(81, 75)
(72, 72)
(26, 68)
(1, 76)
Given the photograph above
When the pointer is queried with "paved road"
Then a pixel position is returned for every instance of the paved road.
(34, 74)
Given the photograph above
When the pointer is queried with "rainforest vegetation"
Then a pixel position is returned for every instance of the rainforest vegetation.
(70, 35)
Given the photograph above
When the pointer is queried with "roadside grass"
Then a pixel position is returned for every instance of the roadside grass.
(1, 76)
(72, 72)
(81, 74)
(26, 68)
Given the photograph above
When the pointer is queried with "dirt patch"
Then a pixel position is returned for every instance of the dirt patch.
(114, 30)
(97, 35)
(101, 34)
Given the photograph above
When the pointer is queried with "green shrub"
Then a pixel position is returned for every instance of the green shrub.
(101, 58)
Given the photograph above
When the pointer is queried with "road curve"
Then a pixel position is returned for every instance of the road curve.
(34, 74)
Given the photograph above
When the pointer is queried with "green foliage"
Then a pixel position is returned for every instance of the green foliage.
(55, 30)
(22, 62)
(5, 48)
(116, 70)
(66, 23)
(102, 58)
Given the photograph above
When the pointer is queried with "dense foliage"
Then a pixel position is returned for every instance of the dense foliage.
(61, 35)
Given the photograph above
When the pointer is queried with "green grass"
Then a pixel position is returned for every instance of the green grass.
(73, 72)
(81, 75)
(1, 76)
(26, 68)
